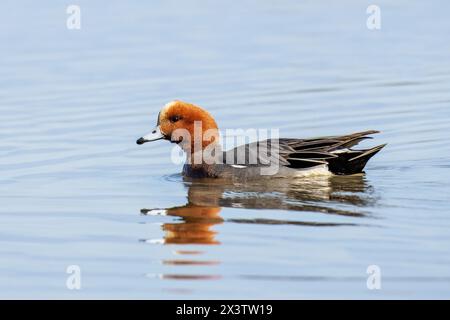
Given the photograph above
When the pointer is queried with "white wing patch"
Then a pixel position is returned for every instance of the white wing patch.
(238, 166)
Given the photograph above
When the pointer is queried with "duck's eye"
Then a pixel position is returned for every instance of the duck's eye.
(174, 118)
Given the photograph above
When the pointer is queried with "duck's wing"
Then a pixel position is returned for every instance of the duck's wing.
(334, 151)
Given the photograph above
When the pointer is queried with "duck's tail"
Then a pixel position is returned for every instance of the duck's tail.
(353, 161)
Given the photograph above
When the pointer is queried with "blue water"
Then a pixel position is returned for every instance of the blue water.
(75, 189)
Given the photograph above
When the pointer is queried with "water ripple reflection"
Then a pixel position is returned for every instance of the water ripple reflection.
(194, 222)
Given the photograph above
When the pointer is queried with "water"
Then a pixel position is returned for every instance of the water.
(76, 190)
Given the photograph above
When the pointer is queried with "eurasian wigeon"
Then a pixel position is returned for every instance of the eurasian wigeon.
(196, 132)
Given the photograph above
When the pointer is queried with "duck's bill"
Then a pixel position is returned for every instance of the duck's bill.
(156, 134)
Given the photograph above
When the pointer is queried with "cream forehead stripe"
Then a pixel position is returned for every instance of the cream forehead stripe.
(163, 111)
(167, 106)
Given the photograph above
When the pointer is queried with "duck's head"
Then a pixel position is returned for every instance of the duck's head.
(178, 119)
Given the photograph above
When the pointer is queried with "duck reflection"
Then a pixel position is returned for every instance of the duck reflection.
(196, 225)
(325, 195)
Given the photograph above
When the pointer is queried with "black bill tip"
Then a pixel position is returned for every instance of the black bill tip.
(140, 141)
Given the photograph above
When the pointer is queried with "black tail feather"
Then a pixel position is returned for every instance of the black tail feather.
(352, 162)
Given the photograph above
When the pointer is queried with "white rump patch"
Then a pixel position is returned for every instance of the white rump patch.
(238, 166)
(314, 171)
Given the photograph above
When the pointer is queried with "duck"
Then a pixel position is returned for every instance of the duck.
(195, 131)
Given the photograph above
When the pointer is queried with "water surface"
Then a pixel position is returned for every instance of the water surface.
(76, 190)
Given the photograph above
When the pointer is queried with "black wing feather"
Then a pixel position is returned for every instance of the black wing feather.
(334, 151)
